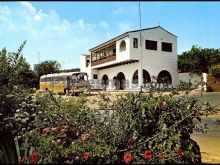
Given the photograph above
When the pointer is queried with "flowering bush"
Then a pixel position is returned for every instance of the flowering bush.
(134, 128)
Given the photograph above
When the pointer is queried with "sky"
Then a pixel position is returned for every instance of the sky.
(62, 31)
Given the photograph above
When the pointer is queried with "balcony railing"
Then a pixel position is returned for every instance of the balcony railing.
(104, 60)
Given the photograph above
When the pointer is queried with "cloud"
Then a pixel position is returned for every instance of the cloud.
(39, 16)
(5, 10)
(28, 6)
(55, 37)
(6, 25)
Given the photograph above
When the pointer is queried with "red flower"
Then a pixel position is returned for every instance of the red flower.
(181, 152)
(162, 155)
(34, 157)
(127, 157)
(148, 154)
(161, 104)
(21, 160)
(85, 155)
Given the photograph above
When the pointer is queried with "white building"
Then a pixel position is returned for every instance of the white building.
(119, 62)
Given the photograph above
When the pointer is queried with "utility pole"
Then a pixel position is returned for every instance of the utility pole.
(140, 70)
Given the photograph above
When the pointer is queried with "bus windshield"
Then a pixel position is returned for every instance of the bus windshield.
(79, 77)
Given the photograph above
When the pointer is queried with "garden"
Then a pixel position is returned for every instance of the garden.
(132, 128)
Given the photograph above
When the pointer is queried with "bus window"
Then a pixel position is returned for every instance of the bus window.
(42, 80)
(80, 77)
(56, 79)
(59, 79)
(48, 79)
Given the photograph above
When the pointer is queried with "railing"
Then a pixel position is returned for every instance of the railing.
(104, 60)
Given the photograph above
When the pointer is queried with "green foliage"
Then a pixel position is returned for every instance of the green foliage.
(7, 150)
(69, 131)
(198, 60)
(14, 70)
(70, 70)
(215, 70)
(47, 67)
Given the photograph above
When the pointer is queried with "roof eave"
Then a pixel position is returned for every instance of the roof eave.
(109, 41)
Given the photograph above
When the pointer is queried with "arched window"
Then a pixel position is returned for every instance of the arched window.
(105, 80)
(135, 77)
(146, 77)
(120, 84)
(122, 46)
(164, 77)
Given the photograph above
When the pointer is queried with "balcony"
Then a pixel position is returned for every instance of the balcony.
(104, 60)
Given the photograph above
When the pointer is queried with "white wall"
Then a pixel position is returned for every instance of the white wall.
(127, 69)
(152, 61)
(186, 77)
(83, 67)
(155, 61)
(194, 79)
(124, 55)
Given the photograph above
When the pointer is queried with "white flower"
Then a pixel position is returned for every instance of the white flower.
(33, 115)
(18, 110)
(188, 106)
(164, 127)
(16, 115)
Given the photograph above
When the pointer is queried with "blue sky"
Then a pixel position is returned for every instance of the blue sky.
(63, 30)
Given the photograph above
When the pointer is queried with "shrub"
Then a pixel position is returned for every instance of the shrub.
(134, 128)
(215, 70)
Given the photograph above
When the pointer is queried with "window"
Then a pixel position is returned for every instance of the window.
(87, 63)
(94, 56)
(167, 47)
(42, 80)
(95, 76)
(56, 79)
(152, 45)
(135, 43)
(114, 51)
(122, 46)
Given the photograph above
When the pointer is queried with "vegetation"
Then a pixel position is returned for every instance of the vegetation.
(71, 70)
(198, 60)
(14, 69)
(47, 67)
(135, 128)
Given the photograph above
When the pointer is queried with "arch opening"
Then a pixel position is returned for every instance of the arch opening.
(122, 46)
(164, 77)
